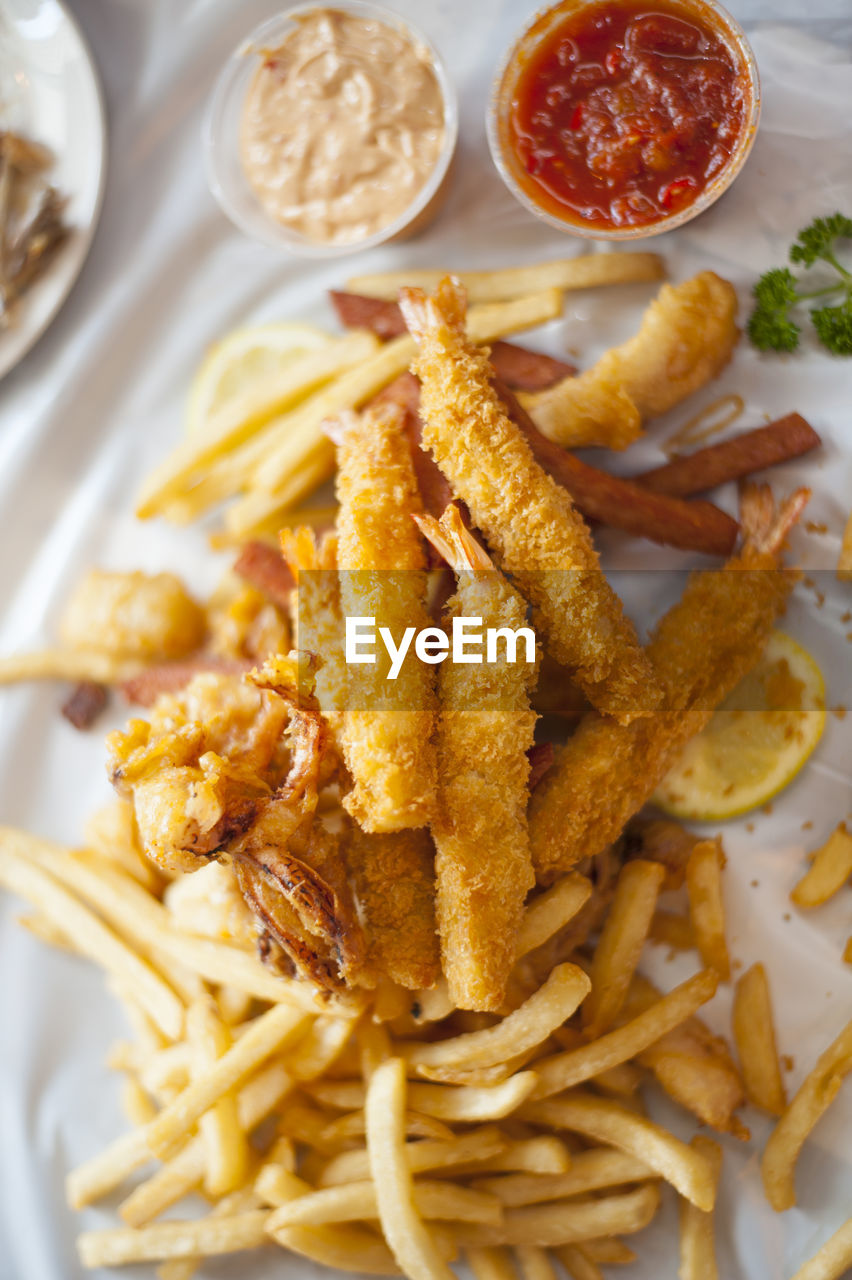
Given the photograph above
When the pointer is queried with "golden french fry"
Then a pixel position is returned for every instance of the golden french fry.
(271, 1033)
(474, 1147)
(344, 1248)
(578, 1264)
(551, 911)
(202, 1237)
(241, 417)
(592, 1170)
(403, 1228)
(130, 907)
(527, 1027)
(90, 936)
(567, 1221)
(237, 1202)
(706, 908)
(697, 1243)
(815, 1095)
(754, 1033)
(226, 1149)
(180, 1175)
(620, 944)
(136, 1104)
(610, 1251)
(542, 1155)
(67, 664)
(464, 1103)
(564, 1070)
(323, 1044)
(844, 560)
(829, 871)
(491, 1264)
(586, 271)
(357, 1201)
(833, 1260)
(533, 1263)
(416, 1126)
(607, 1121)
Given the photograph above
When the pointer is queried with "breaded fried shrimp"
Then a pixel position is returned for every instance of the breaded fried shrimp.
(393, 877)
(528, 519)
(686, 338)
(386, 729)
(702, 648)
(483, 867)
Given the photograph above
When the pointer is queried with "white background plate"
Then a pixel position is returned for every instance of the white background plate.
(49, 92)
(99, 401)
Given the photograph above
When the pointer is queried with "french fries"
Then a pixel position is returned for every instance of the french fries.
(815, 1095)
(697, 1244)
(551, 911)
(606, 1121)
(754, 1033)
(564, 1070)
(594, 1170)
(528, 1026)
(586, 271)
(567, 1221)
(829, 871)
(622, 938)
(409, 1239)
(190, 1239)
(225, 1144)
(706, 910)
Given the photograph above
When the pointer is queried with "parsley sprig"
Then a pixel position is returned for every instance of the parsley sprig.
(777, 293)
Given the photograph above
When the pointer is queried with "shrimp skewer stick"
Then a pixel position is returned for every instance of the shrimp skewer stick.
(483, 867)
(527, 518)
(702, 648)
(386, 728)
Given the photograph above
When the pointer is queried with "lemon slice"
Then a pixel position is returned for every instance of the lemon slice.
(755, 744)
(244, 357)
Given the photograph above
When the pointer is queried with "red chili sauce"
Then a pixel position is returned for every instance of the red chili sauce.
(626, 112)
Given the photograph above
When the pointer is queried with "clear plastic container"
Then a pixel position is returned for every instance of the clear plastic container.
(221, 140)
(539, 27)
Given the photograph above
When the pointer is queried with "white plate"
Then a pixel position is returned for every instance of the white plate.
(49, 91)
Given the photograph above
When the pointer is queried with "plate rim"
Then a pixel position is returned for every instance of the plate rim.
(87, 234)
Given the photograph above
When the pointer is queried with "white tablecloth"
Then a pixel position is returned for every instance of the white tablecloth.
(99, 400)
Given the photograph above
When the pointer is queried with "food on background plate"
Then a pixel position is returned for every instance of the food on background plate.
(844, 560)
(343, 125)
(608, 118)
(32, 219)
(777, 293)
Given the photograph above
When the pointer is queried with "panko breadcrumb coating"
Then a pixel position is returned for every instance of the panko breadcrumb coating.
(528, 519)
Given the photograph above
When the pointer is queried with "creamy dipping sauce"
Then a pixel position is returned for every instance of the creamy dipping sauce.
(342, 126)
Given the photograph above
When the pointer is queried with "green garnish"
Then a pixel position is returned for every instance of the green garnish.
(777, 293)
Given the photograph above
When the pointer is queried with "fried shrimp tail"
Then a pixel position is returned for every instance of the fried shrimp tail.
(386, 729)
(686, 338)
(483, 866)
(318, 620)
(701, 649)
(528, 519)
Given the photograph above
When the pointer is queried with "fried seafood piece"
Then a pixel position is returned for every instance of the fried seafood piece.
(483, 867)
(686, 338)
(528, 519)
(394, 881)
(228, 769)
(133, 615)
(318, 618)
(386, 729)
(701, 649)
